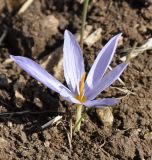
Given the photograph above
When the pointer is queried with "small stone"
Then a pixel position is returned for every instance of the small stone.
(47, 144)
(25, 153)
(38, 102)
(93, 37)
(148, 136)
(23, 137)
(141, 95)
(63, 157)
(1, 125)
(105, 116)
(19, 99)
(9, 124)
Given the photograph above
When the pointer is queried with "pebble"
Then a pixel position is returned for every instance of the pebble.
(105, 116)
(9, 124)
(47, 144)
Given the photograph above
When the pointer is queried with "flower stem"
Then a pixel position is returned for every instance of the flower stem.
(78, 118)
(84, 15)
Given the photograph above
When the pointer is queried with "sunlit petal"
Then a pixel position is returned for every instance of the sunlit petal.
(101, 63)
(99, 103)
(37, 72)
(73, 62)
(106, 81)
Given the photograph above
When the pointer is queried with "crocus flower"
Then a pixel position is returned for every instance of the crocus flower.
(81, 89)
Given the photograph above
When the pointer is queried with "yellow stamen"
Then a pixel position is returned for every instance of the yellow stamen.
(80, 97)
(81, 88)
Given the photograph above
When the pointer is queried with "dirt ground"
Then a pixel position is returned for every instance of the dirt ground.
(38, 33)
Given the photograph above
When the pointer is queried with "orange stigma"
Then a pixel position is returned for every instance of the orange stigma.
(80, 97)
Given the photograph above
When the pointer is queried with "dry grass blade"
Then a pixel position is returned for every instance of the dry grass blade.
(71, 127)
(138, 50)
(124, 90)
(69, 138)
(25, 6)
(3, 36)
(51, 122)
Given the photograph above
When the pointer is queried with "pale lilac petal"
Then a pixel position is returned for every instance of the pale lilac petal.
(99, 103)
(36, 71)
(73, 62)
(102, 62)
(106, 81)
(68, 96)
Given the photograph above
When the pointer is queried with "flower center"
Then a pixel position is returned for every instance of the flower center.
(81, 96)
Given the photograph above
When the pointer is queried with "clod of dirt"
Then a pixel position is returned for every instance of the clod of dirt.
(105, 116)
(32, 31)
(3, 81)
(4, 95)
(2, 5)
(3, 143)
(122, 145)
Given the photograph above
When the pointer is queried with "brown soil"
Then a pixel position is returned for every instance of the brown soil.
(30, 35)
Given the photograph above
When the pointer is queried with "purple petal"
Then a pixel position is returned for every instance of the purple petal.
(73, 62)
(36, 71)
(106, 81)
(101, 102)
(102, 62)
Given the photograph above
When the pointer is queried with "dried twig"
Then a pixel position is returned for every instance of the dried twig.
(51, 122)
